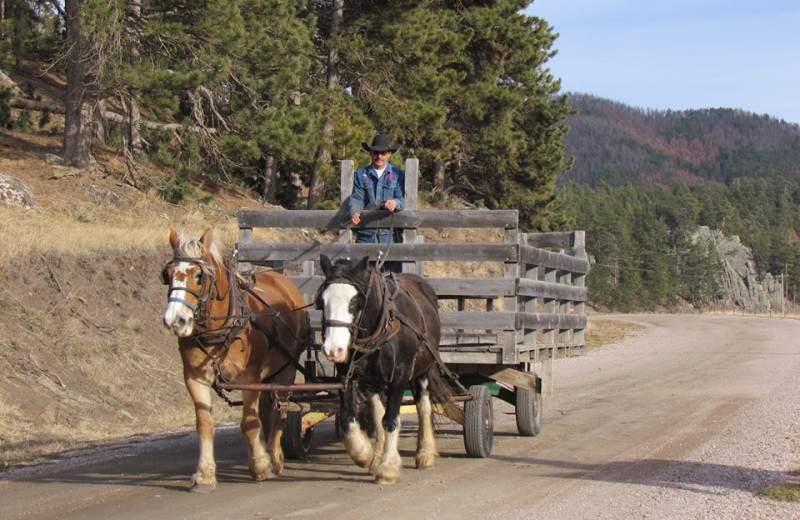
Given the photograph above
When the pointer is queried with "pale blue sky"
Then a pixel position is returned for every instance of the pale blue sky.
(680, 54)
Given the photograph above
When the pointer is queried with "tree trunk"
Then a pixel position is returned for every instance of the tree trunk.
(98, 122)
(439, 179)
(134, 138)
(316, 189)
(270, 176)
(76, 149)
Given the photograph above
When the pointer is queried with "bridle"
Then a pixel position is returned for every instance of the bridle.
(385, 329)
(353, 326)
(203, 294)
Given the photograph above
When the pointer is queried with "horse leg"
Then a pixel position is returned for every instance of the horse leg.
(274, 424)
(205, 478)
(258, 461)
(378, 411)
(389, 469)
(356, 442)
(426, 442)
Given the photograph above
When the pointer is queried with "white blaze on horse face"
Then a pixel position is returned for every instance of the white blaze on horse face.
(179, 317)
(336, 306)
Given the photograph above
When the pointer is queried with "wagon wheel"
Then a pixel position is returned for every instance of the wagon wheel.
(528, 411)
(294, 443)
(479, 422)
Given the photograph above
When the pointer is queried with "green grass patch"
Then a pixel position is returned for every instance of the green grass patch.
(783, 492)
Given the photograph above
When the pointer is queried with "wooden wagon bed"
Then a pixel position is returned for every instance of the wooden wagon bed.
(532, 312)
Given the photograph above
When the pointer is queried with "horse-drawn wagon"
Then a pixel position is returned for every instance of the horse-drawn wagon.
(501, 329)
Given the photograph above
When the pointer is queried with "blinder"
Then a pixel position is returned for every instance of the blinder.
(207, 281)
(319, 304)
(165, 277)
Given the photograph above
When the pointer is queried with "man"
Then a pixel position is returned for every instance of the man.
(379, 185)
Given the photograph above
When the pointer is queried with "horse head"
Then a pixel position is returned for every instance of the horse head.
(192, 275)
(341, 299)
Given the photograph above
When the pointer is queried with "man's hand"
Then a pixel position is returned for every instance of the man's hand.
(355, 218)
(390, 204)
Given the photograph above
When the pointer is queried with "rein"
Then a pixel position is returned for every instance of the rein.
(320, 247)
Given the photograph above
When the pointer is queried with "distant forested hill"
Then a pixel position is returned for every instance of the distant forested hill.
(644, 182)
(617, 143)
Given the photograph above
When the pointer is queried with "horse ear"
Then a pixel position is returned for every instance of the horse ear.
(362, 264)
(174, 239)
(207, 237)
(325, 263)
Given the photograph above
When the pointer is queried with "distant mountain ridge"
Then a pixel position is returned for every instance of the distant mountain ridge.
(615, 143)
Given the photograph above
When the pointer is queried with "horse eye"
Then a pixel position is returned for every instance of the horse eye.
(198, 277)
(353, 307)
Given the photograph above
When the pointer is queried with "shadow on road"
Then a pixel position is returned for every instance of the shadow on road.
(691, 476)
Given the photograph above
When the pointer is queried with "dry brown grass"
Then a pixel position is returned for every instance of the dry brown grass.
(88, 230)
(604, 332)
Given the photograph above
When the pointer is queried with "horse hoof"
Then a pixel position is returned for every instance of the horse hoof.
(202, 488)
(264, 474)
(385, 480)
(387, 474)
(362, 457)
(425, 460)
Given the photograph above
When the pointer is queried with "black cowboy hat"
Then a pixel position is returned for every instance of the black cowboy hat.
(380, 143)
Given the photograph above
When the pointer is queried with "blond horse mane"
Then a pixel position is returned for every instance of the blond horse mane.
(191, 247)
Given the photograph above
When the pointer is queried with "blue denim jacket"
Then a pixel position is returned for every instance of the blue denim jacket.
(370, 192)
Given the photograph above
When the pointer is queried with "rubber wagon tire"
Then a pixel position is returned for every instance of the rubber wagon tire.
(296, 445)
(528, 411)
(479, 423)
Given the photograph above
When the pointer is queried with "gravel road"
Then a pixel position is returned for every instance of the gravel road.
(737, 435)
(687, 419)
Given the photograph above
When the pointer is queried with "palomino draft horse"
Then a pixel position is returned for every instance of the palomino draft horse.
(383, 332)
(237, 330)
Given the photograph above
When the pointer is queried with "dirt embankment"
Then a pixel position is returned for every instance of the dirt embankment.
(84, 355)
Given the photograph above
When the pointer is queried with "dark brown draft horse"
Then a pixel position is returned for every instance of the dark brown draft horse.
(383, 332)
(238, 330)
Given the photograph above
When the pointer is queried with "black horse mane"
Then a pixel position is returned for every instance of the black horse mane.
(345, 269)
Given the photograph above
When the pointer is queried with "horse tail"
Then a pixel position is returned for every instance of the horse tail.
(443, 395)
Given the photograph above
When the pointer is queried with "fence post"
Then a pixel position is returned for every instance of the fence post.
(411, 197)
(346, 188)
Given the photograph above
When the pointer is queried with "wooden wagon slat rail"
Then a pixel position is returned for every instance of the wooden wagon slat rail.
(333, 219)
(260, 253)
(530, 314)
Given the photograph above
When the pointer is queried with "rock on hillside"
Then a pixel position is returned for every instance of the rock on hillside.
(742, 285)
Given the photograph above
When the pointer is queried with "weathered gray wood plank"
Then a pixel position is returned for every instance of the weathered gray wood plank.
(477, 219)
(471, 320)
(535, 256)
(472, 287)
(477, 288)
(555, 321)
(537, 288)
(479, 252)
(562, 239)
